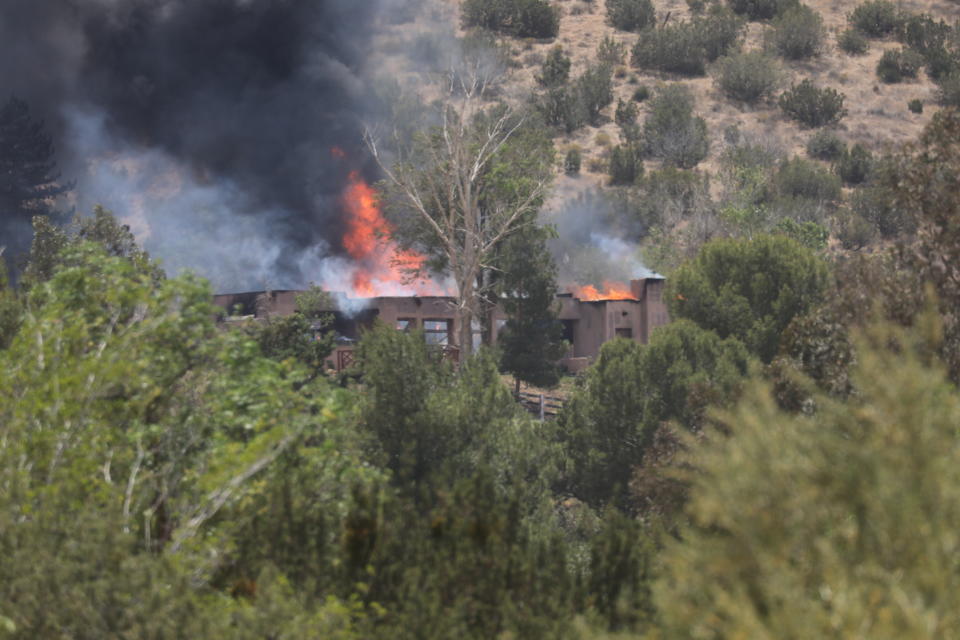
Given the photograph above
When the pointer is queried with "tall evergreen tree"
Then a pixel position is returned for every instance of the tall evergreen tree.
(532, 339)
(28, 178)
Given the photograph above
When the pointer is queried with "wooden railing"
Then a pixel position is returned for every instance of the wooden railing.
(541, 405)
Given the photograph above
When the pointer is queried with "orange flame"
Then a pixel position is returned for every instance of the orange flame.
(381, 267)
(611, 291)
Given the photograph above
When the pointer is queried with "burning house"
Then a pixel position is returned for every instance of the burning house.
(590, 317)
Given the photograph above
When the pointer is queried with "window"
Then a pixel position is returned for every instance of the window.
(437, 332)
(569, 330)
(406, 324)
(625, 332)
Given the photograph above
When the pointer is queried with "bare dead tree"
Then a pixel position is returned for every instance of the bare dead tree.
(440, 176)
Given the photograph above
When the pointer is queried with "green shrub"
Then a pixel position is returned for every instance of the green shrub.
(747, 77)
(672, 132)
(522, 18)
(876, 18)
(894, 66)
(915, 105)
(626, 165)
(853, 231)
(809, 234)
(762, 9)
(720, 31)
(686, 47)
(611, 52)
(696, 6)
(941, 63)
(561, 107)
(876, 206)
(595, 90)
(922, 33)
(812, 106)
(571, 163)
(630, 15)
(854, 166)
(801, 178)
(853, 42)
(797, 33)
(626, 113)
(825, 145)
(556, 68)
(674, 48)
(949, 93)
(641, 93)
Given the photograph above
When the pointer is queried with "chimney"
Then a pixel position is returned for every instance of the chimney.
(638, 288)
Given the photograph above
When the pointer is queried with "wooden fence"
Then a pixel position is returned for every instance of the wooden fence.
(541, 405)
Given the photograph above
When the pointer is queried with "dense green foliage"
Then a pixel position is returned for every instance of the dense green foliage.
(797, 522)
(797, 33)
(750, 290)
(895, 66)
(609, 424)
(876, 18)
(522, 18)
(671, 131)
(761, 9)
(687, 47)
(812, 106)
(556, 68)
(630, 15)
(748, 77)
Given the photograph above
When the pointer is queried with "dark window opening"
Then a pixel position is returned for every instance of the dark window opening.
(569, 330)
(406, 324)
(437, 332)
(625, 332)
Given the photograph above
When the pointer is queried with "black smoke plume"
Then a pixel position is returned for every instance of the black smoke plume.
(221, 113)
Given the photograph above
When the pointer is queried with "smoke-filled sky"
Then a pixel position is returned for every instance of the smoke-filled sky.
(207, 123)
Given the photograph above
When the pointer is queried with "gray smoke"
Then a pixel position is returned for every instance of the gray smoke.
(208, 124)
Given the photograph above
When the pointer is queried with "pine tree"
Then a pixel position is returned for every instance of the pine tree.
(28, 178)
(532, 339)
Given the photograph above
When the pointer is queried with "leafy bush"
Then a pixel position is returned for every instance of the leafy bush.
(748, 289)
(853, 231)
(571, 163)
(556, 68)
(762, 9)
(641, 93)
(853, 42)
(720, 31)
(671, 132)
(801, 178)
(876, 18)
(747, 77)
(626, 165)
(686, 47)
(825, 145)
(854, 166)
(809, 234)
(797, 33)
(922, 33)
(876, 205)
(796, 523)
(949, 93)
(630, 15)
(675, 48)
(595, 90)
(812, 106)
(611, 52)
(626, 113)
(561, 107)
(522, 18)
(915, 105)
(894, 66)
